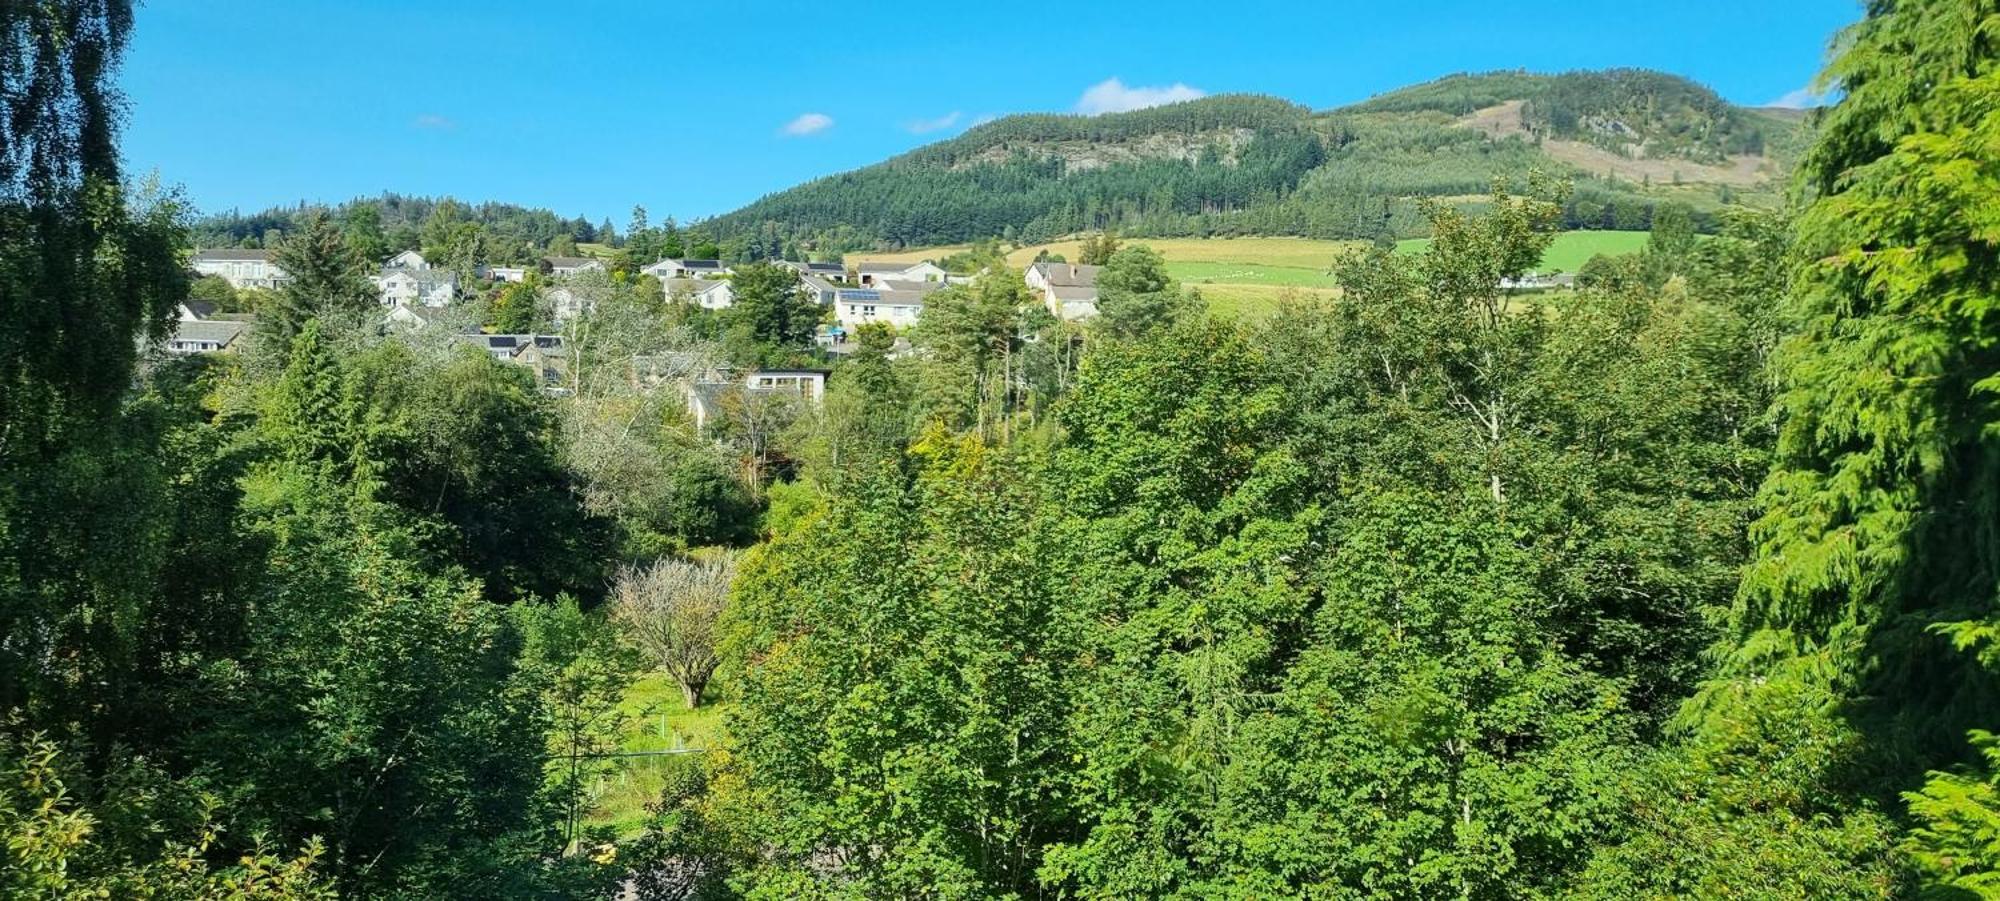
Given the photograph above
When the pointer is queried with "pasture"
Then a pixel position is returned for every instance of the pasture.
(1251, 276)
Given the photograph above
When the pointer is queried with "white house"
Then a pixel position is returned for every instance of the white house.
(571, 265)
(241, 268)
(402, 287)
(900, 308)
(873, 273)
(505, 273)
(1070, 292)
(705, 293)
(408, 259)
(707, 396)
(687, 269)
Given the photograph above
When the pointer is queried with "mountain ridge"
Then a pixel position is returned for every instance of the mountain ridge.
(1629, 139)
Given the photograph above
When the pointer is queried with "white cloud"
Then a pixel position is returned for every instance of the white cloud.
(925, 126)
(808, 124)
(1112, 96)
(434, 122)
(1803, 98)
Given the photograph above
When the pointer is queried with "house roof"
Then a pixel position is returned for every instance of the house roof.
(569, 262)
(691, 285)
(423, 314)
(893, 284)
(227, 255)
(1073, 292)
(221, 331)
(420, 276)
(1061, 275)
(817, 284)
(892, 297)
(199, 309)
(881, 268)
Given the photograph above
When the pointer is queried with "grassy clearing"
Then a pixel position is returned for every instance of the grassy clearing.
(1252, 301)
(1250, 276)
(1204, 273)
(1301, 253)
(1569, 251)
(656, 720)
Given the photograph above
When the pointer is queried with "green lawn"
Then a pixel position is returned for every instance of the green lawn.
(1201, 272)
(1569, 251)
(657, 720)
(1252, 276)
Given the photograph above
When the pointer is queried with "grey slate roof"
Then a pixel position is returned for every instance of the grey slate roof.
(1067, 275)
(883, 268)
(221, 331)
(695, 286)
(892, 284)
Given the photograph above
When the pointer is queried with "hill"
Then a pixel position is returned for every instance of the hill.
(1251, 165)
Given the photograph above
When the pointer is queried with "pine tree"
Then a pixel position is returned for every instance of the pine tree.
(324, 279)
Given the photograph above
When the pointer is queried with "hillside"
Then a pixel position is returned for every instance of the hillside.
(1248, 165)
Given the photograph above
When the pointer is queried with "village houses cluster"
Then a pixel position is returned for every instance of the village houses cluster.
(893, 293)
(416, 294)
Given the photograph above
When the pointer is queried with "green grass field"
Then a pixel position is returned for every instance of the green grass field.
(657, 720)
(1569, 251)
(1252, 276)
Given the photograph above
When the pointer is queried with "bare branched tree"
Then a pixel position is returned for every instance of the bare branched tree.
(669, 609)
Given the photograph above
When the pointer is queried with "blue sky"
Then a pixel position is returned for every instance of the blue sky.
(591, 106)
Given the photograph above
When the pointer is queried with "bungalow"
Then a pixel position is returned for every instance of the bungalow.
(197, 336)
(687, 269)
(856, 306)
(873, 273)
(241, 268)
(571, 265)
(706, 397)
(705, 293)
(1070, 292)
